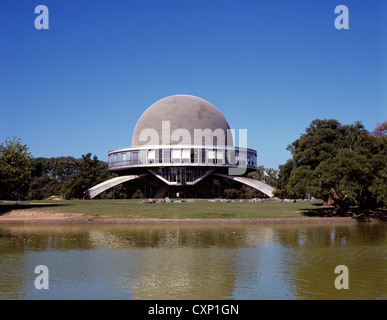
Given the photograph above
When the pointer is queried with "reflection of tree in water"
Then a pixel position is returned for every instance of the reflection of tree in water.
(167, 236)
(21, 238)
(315, 251)
(201, 262)
(151, 261)
(17, 244)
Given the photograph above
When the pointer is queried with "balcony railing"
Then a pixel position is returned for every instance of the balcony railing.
(180, 156)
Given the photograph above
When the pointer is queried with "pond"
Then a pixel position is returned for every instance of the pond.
(277, 261)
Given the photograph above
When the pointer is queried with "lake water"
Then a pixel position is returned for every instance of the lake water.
(194, 262)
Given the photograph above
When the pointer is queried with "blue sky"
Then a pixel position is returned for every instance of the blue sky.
(270, 67)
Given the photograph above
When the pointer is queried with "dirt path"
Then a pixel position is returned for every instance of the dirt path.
(29, 216)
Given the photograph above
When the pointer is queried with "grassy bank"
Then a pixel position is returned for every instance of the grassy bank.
(200, 209)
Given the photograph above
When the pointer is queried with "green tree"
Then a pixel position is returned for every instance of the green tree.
(282, 188)
(138, 194)
(267, 175)
(232, 193)
(344, 162)
(14, 168)
(49, 174)
(90, 172)
(70, 177)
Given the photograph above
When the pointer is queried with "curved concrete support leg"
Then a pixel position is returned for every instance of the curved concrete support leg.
(99, 188)
(256, 184)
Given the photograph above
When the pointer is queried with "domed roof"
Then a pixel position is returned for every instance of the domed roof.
(182, 112)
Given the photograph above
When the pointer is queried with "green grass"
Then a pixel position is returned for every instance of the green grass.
(200, 209)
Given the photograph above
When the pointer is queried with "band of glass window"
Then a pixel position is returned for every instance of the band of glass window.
(227, 157)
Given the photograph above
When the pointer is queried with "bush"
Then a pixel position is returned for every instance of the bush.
(138, 195)
(232, 193)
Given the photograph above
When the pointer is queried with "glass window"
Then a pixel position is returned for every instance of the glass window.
(176, 154)
(194, 155)
(166, 155)
(173, 175)
(220, 154)
(135, 157)
(185, 154)
(142, 156)
(151, 156)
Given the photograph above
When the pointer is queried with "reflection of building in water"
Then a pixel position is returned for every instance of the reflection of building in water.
(183, 261)
(185, 273)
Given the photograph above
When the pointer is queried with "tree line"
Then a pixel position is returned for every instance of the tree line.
(345, 165)
(25, 177)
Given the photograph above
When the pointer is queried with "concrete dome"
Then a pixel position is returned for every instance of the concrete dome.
(182, 112)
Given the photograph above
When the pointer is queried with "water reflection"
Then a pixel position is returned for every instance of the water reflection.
(194, 262)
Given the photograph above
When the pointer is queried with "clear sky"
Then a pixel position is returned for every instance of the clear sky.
(269, 66)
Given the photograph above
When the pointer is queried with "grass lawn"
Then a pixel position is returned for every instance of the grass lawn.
(200, 209)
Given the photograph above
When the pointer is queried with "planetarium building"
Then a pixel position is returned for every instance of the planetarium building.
(182, 145)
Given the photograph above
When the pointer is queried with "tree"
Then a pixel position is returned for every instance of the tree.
(70, 177)
(90, 171)
(282, 188)
(380, 130)
(267, 175)
(49, 174)
(344, 162)
(232, 193)
(14, 168)
(138, 194)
